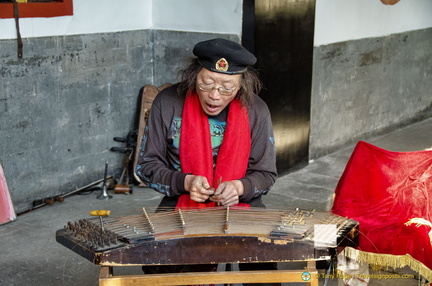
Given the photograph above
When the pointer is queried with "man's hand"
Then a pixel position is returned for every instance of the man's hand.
(228, 193)
(198, 188)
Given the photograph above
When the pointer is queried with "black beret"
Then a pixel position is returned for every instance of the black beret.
(224, 56)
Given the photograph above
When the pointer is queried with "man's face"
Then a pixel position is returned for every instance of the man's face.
(209, 87)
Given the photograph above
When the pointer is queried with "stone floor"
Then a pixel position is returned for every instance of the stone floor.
(30, 254)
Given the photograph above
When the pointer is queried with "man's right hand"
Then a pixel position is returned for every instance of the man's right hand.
(198, 188)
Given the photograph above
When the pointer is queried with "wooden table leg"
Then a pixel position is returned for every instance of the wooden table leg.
(311, 268)
(105, 272)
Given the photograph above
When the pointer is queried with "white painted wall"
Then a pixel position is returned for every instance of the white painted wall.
(343, 20)
(336, 20)
(101, 16)
(215, 16)
(90, 16)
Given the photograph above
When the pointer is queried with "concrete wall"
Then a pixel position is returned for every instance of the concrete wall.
(62, 104)
(369, 86)
(371, 72)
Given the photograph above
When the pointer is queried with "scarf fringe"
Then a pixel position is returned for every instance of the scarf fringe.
(384, 261)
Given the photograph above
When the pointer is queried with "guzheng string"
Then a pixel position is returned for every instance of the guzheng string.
(215, 220)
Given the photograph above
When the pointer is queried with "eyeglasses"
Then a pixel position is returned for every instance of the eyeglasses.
(209, 88)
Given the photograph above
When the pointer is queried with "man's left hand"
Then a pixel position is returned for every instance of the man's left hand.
(228, 193)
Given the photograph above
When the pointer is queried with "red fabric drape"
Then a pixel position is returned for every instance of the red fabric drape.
(382, 190)
(196, 150)
(7, 212)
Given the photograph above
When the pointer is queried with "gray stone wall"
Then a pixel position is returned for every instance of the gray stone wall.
(62, 104)
(367, 87)
(65, 100)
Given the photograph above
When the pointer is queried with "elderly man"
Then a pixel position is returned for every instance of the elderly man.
(209, 139)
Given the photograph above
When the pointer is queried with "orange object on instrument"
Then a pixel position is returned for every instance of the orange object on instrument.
(100, 213)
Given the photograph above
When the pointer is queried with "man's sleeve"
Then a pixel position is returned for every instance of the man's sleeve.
(153, 166)
(262, 171)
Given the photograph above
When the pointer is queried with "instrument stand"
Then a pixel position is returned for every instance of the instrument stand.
(309, 275)
(104, 194)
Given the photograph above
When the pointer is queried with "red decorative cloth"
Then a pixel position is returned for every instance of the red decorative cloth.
(196, 151)
(7, 212)
(383, 190)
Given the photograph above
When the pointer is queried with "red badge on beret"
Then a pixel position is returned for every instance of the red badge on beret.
(222, 65)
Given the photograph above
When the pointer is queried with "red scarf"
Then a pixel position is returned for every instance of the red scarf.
(196, 150)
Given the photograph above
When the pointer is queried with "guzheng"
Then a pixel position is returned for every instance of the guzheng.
(213, 235)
